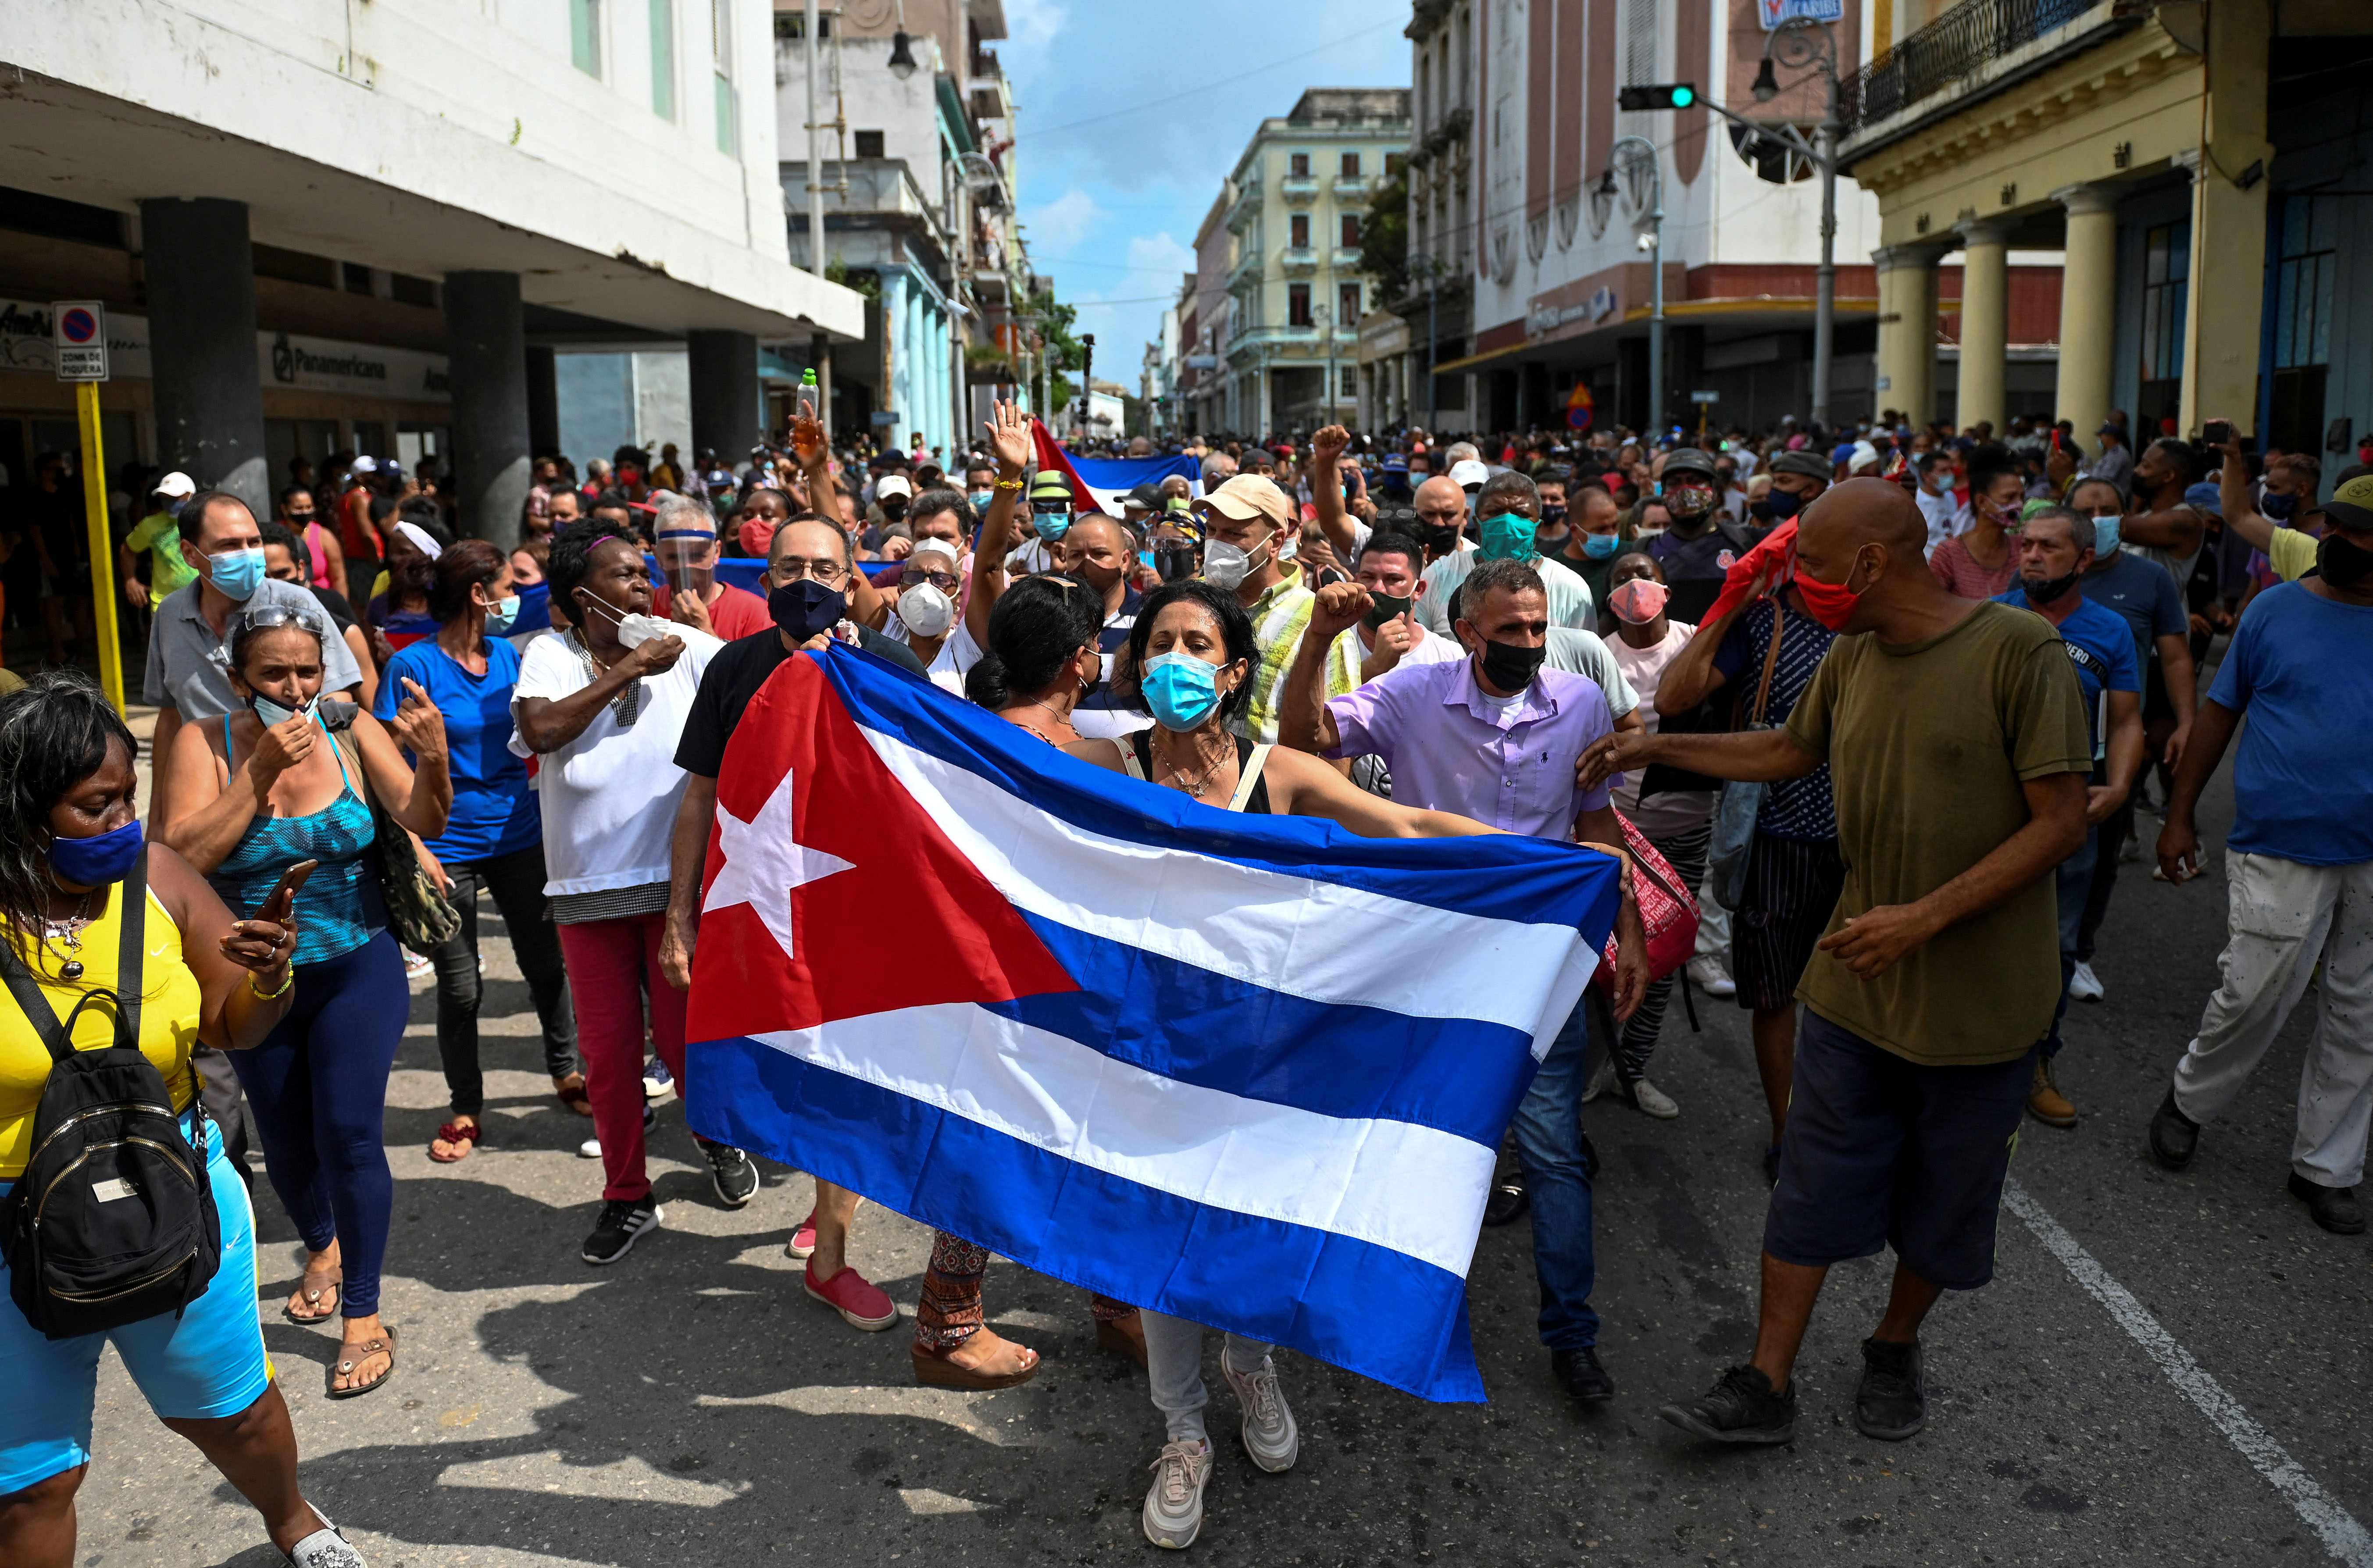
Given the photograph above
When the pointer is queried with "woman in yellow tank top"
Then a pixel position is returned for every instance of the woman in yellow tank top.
(68, 837)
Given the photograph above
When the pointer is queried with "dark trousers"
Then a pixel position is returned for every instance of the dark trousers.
(2110, 836)
(516, 883)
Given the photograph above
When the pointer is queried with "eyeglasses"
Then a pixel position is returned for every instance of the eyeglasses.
(791, 568)
(944, 581)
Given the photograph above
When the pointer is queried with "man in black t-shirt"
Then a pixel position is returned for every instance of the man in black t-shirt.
(809, 572)
(1697, 551)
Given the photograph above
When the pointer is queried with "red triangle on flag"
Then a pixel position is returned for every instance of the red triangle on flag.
(910, 921)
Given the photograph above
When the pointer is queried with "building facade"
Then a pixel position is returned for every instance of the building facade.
(319, 226)
(1295, 207)
(918, 181)
(2124, 133)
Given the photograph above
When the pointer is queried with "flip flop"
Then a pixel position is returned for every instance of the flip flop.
(464, 1133)
(354, 1355)
(336, 1278)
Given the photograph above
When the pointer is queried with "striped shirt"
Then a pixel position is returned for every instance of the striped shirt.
(1279, 617)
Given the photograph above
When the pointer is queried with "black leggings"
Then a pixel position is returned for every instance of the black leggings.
(1686, 852)
(515, 882)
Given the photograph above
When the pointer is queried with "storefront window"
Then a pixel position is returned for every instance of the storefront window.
(2166, 285)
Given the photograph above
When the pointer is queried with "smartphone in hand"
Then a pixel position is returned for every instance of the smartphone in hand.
(281, 901)
(2217, 432)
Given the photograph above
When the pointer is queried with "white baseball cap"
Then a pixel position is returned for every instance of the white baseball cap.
(1469, 472)
(177, 485)
(366, 465)
(892, 485)
(934, 546)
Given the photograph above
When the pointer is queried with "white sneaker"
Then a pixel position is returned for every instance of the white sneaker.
(1706, 972)
(1173, 1515)
(1271, 1436)
(325, 1548)
(2085, 984)
(1654, 1101)
(1600, 1082)
(590, 1150)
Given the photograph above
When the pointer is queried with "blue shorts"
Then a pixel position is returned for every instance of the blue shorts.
(205, 1364)
(1883, 1151)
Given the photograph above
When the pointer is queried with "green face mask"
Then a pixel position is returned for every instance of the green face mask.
(1509, 537)
(1385, 607)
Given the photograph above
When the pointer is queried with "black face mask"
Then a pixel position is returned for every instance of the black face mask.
(1385, 607)
(1176, 558)
(2342, 564)
(1777, 506)
(806, 608)
(1510, 668)
(1440, 538)
(2050, 592)
(893, 507)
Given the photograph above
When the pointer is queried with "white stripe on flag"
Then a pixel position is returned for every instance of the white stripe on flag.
(1413, 1189)
(1317, 939)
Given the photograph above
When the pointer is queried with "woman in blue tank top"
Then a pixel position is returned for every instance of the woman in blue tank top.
(267, 787)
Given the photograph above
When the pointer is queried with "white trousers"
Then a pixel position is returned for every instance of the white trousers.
(2284, 917)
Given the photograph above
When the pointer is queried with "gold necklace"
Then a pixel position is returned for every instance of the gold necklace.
(1201, 780)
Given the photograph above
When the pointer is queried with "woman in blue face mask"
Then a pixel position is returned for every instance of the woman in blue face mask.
(76, 883)
(493, 840)
(279, 780)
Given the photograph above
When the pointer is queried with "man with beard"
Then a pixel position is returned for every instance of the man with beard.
(1699, 548)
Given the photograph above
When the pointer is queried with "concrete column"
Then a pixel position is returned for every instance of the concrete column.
(2088, 314)
(1907, 329)
(1985, 323)
(200, 269)
(2229, 223)
(543, 401)
(485, 339)
(727, 413)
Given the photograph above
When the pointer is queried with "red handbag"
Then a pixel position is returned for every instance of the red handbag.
(1669, 910)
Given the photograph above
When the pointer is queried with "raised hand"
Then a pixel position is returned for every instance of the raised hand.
(1339, 607)
(418, 723)
(281, 747)
(1009, 437)
(1328, 444)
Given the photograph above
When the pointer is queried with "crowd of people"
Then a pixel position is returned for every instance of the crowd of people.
(1871, 718)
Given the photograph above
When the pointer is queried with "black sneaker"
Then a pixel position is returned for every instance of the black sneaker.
(622, 1224)
(1579, 1374)
(1891, 1402)
(731, 1172)
(2333, 1208)
(1741, 1407)
(1507, 1200)
(2174, 1137)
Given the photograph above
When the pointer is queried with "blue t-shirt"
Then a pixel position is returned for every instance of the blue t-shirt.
(2101, 648)
(2303, 775)
(2141, 591)
(494, 811)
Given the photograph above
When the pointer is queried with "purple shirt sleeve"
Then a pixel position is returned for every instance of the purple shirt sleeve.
(1367, 719)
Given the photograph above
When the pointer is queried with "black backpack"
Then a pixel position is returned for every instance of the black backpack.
(114, 1219)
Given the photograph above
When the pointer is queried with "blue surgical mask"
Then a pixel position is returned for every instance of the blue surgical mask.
(500, 615)
(98, 861)
(2105, 536)
(236, 572)
(1601, 546)
(980, 500)
(1051, 526)
(272, 713)
(1180, 691)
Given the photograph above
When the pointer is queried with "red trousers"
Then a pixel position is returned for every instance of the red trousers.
(613, 967)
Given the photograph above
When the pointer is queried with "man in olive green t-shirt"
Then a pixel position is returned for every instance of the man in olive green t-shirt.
(1955, 736)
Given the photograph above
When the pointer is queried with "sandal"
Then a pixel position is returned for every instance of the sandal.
(353, 1356)
(934, 1370)
(334, 1278)
(466, 1133)
(570, 1092)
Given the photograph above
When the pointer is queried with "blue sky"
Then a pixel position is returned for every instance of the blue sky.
(1130, 113)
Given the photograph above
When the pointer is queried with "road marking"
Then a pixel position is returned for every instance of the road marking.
(2343, 1537)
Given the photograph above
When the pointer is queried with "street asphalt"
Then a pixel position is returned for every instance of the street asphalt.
(2167, 1370)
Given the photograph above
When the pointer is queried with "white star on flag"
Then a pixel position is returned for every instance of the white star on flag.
(764, 863)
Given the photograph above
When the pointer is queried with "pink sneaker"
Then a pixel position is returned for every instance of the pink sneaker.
(861, 1303)
(802, 1243)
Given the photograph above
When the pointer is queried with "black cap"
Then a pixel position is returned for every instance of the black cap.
(1689, 460)
(1811, 464)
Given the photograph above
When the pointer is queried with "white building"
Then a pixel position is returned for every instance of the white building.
(476, 185)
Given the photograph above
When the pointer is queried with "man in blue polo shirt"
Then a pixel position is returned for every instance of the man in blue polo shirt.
(2055, 549)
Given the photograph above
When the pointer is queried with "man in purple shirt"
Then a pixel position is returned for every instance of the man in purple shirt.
(1494, 736)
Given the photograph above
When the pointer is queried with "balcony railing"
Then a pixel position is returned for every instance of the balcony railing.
(1299, 188)
(1954, 47)
(1297, 258)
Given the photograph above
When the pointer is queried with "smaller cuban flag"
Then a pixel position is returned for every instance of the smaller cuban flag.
(1249, 1071)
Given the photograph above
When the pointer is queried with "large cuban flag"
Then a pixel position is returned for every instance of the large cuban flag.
(1251, 1071)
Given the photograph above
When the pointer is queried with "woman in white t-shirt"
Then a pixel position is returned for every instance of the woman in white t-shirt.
(601, 706)
(1678, 822)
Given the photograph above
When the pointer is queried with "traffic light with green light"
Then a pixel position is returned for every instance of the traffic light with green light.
(1660, 95)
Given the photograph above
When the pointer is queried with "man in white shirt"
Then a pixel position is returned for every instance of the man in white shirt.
(1509, 510)
(1945, 513)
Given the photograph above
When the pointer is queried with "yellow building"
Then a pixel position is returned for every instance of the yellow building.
(2189, 161)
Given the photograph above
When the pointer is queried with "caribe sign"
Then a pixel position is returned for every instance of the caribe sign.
(1774, 12)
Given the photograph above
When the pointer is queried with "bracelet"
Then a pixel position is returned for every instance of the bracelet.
(285, 982)
(1009, 483)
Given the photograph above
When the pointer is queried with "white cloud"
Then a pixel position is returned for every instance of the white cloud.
(1030, 25)
(1156, 254)
(1058, 226)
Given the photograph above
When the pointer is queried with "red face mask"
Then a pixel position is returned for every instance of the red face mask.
(1831, 604)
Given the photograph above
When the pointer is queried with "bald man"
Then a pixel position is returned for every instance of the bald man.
(1955, 735)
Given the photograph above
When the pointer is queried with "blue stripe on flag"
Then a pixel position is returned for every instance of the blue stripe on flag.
(1189, 1023)
(1358, 1306)
(1501, 876)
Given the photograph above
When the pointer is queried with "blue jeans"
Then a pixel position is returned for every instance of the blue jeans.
(1559, 1162)
(2072, 884)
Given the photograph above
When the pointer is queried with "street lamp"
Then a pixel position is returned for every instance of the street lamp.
(902, 58)
(1651, 242)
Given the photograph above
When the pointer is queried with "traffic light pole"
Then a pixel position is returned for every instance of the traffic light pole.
(1655, 242)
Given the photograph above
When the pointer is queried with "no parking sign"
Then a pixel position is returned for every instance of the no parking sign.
(78, 331)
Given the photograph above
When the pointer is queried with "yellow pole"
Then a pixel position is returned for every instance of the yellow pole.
(102, 545)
